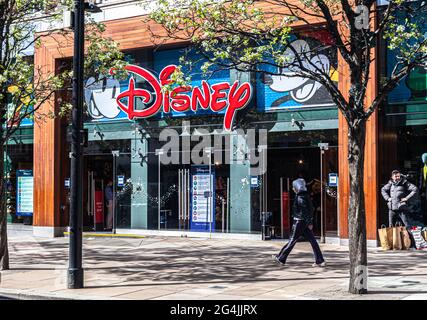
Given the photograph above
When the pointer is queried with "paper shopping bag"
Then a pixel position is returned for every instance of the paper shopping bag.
(386, 237)
(397, 238)
(406, 239)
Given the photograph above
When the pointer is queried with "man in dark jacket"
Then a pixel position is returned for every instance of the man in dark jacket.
(302, 213)
(398, 192)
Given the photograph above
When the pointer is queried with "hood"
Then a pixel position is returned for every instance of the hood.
(299, 185)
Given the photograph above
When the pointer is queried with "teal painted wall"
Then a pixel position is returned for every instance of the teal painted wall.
(240, 193)
(139, 176)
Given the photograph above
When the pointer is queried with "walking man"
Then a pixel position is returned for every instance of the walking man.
(302, 213)
(398, 192)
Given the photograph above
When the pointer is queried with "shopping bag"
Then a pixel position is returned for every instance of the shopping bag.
(406, 239)
(397, 238)
(386, 237)
(420, 243)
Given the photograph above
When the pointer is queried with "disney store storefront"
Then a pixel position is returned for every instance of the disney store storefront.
(210, 159)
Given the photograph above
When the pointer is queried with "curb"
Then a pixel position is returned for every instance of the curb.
(107, 235)
(19, 294)
(16, 294)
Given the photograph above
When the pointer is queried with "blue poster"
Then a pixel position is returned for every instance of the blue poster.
(281, 89)
(24, 193)
(202, 213)
(167, 57)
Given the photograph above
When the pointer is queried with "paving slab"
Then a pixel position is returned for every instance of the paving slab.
(147, 294)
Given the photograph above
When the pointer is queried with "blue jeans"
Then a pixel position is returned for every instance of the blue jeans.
(300, 228)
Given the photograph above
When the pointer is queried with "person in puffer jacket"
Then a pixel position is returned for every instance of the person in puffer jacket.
(302, 213)
(398, 192)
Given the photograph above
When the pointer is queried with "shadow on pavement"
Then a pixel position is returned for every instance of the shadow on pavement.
(204, 262)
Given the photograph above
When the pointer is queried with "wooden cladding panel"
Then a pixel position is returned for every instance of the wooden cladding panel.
(46, 145)
(371, 157)
(371, 177)
(132, 33)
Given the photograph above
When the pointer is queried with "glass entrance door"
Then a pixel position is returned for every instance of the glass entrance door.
(173, 197)
(108, 191)
(123, 190)
(186, 195)
(287, 164)
(330, 191)
(98, 192)
(96, 207)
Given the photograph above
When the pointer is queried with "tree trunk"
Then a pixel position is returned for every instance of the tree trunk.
(356, 210)
(4, 252)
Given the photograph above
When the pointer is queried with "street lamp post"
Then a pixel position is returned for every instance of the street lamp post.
(75, 269)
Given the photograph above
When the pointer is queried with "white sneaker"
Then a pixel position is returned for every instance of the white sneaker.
(321, 265)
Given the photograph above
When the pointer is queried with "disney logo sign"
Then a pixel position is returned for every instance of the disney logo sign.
(216, 97)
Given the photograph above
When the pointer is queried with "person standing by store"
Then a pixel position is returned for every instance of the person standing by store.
(109, 199)
(398, 192)
(302, 213)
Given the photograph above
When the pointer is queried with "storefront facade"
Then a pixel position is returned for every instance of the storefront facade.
(201, 170)
(160, 168)
(403, 128)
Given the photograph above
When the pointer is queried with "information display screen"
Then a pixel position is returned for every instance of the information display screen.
(202, 199)
(24, 193)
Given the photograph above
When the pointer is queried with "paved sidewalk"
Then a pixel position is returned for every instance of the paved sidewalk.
(196, 269)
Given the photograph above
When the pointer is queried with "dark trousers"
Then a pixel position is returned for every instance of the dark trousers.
(398, 215)
(300, 228)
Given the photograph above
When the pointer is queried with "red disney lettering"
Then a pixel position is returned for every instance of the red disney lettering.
(204, 99)
(131, 93)
(218, 103)
(217, 97)
(180, 102)
(165, 80)
(239, 98)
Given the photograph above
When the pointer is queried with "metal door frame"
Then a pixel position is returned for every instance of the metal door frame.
(184, 199)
